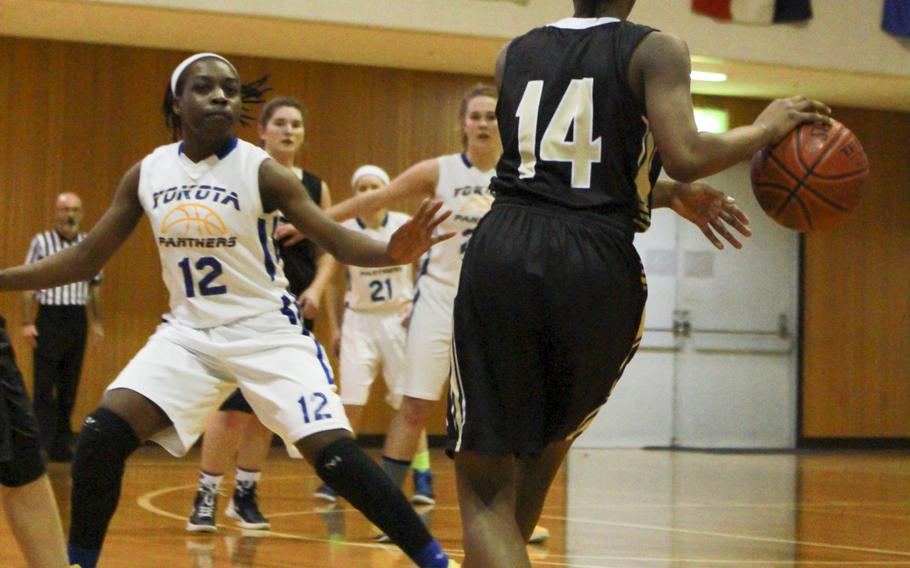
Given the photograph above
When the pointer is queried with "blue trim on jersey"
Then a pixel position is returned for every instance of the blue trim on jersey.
(325, 368)
(222, 153)
(226, 149)
(264, 241)
(467, 162)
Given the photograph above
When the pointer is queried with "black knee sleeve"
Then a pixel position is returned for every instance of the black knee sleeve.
(350, 472)
(106, 440)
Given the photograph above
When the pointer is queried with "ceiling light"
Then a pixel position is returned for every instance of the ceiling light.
(708, 76)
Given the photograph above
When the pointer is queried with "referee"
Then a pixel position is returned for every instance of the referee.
(58, 333)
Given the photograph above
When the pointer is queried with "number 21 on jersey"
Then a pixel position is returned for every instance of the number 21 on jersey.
(575, 111)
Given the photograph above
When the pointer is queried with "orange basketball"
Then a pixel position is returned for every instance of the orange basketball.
(811, 179)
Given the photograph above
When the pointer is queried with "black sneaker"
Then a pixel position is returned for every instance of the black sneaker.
(245, 510)
(202, 519)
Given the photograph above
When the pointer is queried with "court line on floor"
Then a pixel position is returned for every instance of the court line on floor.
(145, 502)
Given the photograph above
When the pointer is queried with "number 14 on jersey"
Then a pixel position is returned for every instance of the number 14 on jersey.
(575, 111)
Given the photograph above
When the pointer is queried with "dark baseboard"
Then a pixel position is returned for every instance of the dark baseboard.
(854, 444)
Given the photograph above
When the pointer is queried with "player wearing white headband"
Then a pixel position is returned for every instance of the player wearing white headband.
(212, 201)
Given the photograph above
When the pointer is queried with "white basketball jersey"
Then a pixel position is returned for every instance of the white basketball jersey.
(218, 257)
(465, 191)
(371, 289)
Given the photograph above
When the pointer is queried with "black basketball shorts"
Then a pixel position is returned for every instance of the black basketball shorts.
(548, 313)
(21, 456)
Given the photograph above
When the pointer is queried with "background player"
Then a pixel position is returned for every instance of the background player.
(554, 263)
(377, 308)
(213, 201)
(234, 435)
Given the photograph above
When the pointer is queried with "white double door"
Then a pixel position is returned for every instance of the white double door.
(717, 365)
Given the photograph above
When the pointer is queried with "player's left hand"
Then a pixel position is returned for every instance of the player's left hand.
(309, 304)
(711, 210)
(416, 236)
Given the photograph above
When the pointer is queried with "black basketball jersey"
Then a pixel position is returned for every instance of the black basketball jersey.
(300, 259)
(573, 132)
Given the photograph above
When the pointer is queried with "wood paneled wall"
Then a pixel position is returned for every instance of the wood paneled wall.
(856, 292)
(856, 330)
(76, 116)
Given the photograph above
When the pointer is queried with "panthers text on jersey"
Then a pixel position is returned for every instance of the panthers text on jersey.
(218, 257)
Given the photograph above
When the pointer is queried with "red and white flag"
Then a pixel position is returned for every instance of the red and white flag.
(761, 12)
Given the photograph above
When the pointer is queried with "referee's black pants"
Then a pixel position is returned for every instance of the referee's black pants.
(62, 332)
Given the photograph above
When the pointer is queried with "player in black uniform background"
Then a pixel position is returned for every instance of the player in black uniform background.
(551, 298)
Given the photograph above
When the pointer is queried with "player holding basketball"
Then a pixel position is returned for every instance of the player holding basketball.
(231, 322)
(551, 298)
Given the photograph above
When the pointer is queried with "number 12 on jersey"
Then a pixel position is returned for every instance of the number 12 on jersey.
(575, 111)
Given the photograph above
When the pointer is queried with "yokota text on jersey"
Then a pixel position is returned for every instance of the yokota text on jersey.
(218, 258)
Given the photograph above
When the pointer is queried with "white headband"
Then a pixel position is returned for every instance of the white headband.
(369, 170)
(189, 61)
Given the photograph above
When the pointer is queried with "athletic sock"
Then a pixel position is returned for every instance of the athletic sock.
(245, 479)
(210, 481)
(397, 470)
(353, 474)
(421, 461)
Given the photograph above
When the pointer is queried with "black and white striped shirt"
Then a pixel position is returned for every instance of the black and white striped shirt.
(48, 243)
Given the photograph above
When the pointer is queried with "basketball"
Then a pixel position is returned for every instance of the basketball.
(812, 179)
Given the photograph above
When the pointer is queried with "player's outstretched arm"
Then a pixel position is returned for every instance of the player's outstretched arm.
(708, 208)
(659, 74)
(84, 261)
(279, 189)
(417, 181)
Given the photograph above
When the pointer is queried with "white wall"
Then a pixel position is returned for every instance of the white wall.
(843, 35)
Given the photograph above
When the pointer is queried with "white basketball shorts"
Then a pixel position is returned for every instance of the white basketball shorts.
(283, 373)
(427, 352)
(372, 342)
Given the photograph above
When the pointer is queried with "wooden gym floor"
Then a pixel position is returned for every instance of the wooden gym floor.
(636, 508)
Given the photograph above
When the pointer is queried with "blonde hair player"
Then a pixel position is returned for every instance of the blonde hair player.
(231, 321)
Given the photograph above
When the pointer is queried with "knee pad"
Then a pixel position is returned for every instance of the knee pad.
(105, 441)
(26, 463)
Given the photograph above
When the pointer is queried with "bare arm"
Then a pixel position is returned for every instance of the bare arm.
(281, 190)
(84, 261)
(331, 300)
(94, 307)
(659, 74)
(417, 181)
(500, 68)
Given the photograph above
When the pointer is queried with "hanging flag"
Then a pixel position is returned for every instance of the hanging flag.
(896, 17)
(762, 12)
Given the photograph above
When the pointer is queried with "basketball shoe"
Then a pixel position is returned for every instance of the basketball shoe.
(202, 518)
(423, 488)
(244, 508)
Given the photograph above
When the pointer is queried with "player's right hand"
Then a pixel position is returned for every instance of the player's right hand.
(783, 115)
(30, 333)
